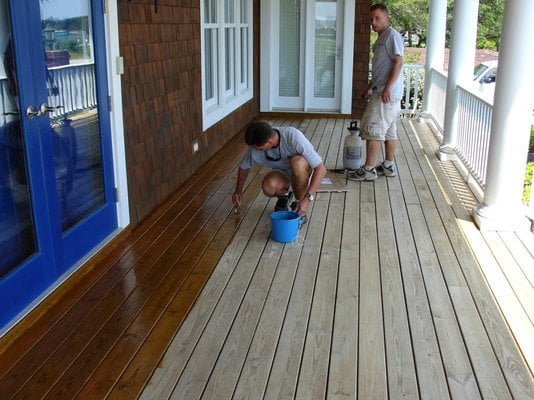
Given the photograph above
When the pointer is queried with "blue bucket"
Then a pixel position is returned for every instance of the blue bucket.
(285, 226)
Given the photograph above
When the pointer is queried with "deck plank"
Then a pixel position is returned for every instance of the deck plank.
(437, 260)
(333, 159)
(283, 378)
(202, 361)
(133, 318)
(93, 310)
(165, 377)
(513, 275)
(343, 364)
(21, 339)
(520, 254)
(257, 366)
(372, 379)
(431, 376)
(389, 292)
(487, 330)
(402, 380)
(313, 377)
(225, 373)
(125, 351)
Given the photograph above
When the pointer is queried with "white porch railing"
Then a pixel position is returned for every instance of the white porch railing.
(474, 125)
(74, 87)
(71, 87)
(438, 96)
(414, 81)
(473, 130)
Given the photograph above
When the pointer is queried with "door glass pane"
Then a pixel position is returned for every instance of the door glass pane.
(229, 15)
(229, 40)
(325, 48)
(210, 58)
(17, 237)
(289, 48)
(74, 122)
(244, 57)
(210, 11)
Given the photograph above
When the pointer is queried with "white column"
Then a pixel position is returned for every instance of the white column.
(435, 46)
(502, 208)
(461, 65)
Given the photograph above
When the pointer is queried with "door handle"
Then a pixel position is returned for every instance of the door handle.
(32, 112)
(45, 108)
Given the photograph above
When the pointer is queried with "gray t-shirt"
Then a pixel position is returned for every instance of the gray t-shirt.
(292, 142)
(388, 44)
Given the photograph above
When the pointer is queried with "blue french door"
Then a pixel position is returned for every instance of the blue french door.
(57, 199)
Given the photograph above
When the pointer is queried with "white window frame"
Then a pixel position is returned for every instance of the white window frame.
(233, 90)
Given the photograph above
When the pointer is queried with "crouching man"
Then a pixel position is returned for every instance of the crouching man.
(296, 168)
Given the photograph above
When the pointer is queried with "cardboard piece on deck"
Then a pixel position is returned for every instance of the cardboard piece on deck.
(333, 182)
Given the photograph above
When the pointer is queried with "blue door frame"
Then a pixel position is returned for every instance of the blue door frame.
(58, 247)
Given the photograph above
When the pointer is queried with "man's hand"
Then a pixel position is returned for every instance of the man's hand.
(237, 196)
(302, 206)
(367, 93)
(385, 96)
(236, 199)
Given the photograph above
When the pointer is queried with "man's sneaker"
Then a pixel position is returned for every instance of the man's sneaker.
(386, 171)
(283, 202)
(362, 174)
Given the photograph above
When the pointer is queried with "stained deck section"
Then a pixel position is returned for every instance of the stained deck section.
(389, 292)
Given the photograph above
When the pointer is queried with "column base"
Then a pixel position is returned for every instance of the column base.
(489, 218)
(447, 153)
(424, 117)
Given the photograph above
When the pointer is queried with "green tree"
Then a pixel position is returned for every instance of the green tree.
(490, 13)
(411, 17)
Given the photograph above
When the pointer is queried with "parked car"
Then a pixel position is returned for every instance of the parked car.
(484, 77)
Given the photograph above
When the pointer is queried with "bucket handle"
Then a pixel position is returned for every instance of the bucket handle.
(302, 220)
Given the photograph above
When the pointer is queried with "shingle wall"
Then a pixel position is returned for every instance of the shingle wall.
(161, 88)
(362, 31)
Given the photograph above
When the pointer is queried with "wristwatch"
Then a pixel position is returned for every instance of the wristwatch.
(309, 196)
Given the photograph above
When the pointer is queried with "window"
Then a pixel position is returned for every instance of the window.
(226, 40)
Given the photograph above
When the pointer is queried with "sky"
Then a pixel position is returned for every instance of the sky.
(64, 8)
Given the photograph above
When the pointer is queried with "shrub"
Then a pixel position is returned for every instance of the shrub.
(528, 182)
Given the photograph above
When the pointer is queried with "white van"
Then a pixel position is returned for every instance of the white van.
(484, 78)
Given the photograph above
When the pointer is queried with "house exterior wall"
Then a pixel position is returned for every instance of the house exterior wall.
(161, 89)
(162, 96)
(362, 31)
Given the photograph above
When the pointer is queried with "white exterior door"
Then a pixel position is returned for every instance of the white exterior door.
(304, 40)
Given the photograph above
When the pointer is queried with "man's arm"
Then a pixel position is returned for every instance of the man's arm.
(367, 92)
(396, 70)
(237, 196)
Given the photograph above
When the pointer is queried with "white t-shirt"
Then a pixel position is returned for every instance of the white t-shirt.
(292, 142)
(388, 45)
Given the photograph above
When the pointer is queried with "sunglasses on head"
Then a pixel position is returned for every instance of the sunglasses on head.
(270, 158)
(279, 156)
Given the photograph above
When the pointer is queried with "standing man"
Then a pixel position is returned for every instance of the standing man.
(294, 162)
(384, 92)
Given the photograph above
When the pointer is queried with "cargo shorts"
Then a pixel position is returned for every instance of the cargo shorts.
(379, 120)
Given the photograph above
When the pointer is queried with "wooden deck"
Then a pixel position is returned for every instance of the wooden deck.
(390, 292)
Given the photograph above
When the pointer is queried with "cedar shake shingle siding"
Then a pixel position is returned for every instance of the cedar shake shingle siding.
(162, 96)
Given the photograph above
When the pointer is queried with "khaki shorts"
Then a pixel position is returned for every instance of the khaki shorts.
(379, 121)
